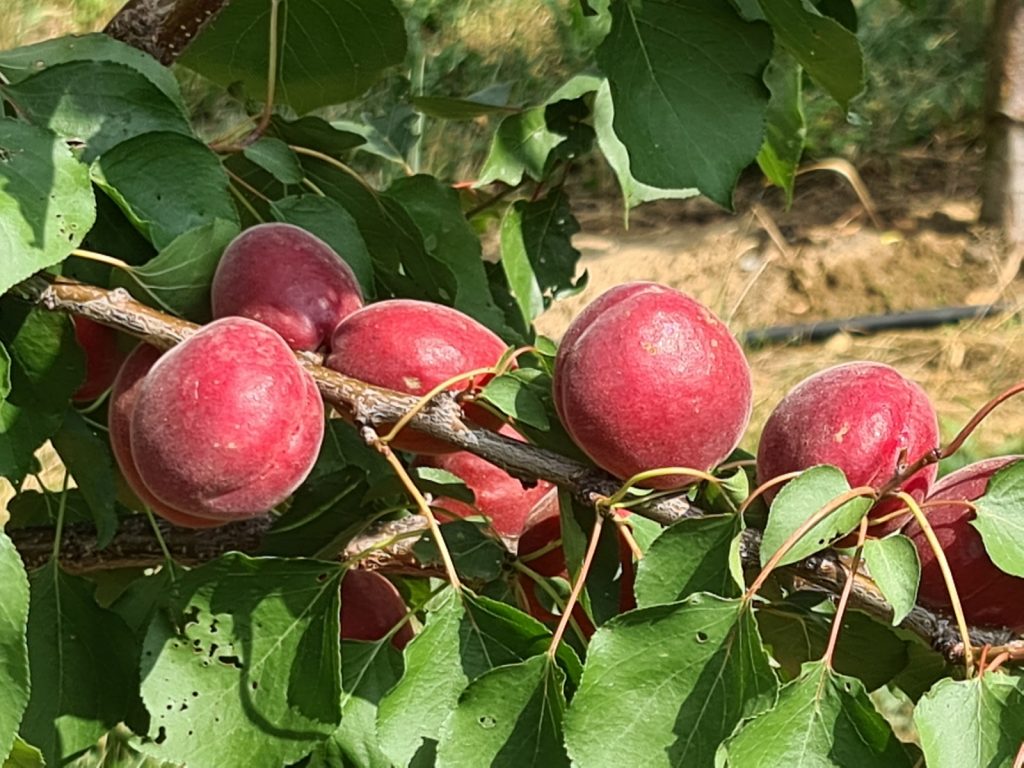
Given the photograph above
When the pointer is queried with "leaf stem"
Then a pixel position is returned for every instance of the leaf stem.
(160, 539)
(844, 598)
(650, 474)
(59, 531)
(577, 587)
(550, 591)
(102, 259)
(424, 401)
(766, 486)
(334, 162)
(626, 532)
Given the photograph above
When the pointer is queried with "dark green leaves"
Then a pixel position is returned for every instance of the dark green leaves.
(511, 717)
(821, 719)
(87, 456)
(330, 51)
(84, 666)
(520, 146)
(896, 569)
(1000, 518)
(477, 555)
(46, 201)
(972, 722)
(666, 685)
(685, 79)
(798, 501)
(14, 662)
(784, 124)
(246, 647)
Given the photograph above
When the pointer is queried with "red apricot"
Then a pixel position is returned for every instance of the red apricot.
(648, 377)
(861, 417)
(412, 346)
(123, 394)
(989, 596)
(103, 357)
(498, 495)
(227, 424)
(371, 607)
(286, 278)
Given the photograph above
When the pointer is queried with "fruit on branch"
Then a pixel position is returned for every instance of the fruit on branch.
(119, 414)
(498, 495)
(371, 607)
(989, 596)
(412, 346)
(862, 417)
(648, 377)
(227, 424)
(103, 357)
(286, 278)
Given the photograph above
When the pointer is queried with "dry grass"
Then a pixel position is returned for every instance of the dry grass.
(29, 21)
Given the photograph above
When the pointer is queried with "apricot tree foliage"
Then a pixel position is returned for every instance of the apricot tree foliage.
(124, 640)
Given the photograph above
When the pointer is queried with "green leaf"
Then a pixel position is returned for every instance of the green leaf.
(368, 671)
(178, 279)
(1000, 518)
(167, 184)
(825, 48)
(867, 649)
(633, 192)
(141, 599)
(685, 78)
(326, 219)
(451, 241)
(14, 661)
(330, 51)
(24, 755)
(245, 647)
(276, 158)
(448, 108)
(47, 366)
(509, 717)
(5, 373)
(800, 499)
(665, 685)
(315, 133)
(441, 482)
(785, 129)
(896, 569)
(99, 103)
(477, 555)
(821, 719)
(87, 456)
(84, 666)
(520, 146)
(462, 639)
(521, 394)
(700, 554)
(46, 201)
(972, 722)
(20, 63)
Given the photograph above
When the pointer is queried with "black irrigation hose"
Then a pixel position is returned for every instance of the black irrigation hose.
(863, 324)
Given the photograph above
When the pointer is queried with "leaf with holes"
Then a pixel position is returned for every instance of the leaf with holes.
(1000, 518)
(245, 647)
(666, 685)
(800, 499)
(821, 719)
(896, 569)
(510, 716)
(332, 50)
(75, 699)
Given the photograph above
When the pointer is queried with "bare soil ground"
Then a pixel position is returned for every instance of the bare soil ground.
(824, 258)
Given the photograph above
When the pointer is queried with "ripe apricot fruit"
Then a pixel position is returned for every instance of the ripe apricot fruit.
(286, 278)
(412, 346)
(371, 607)
(226, 424)
(498, 495)
(648, 377)
(103, 357)
(861, 417)
(988, 595)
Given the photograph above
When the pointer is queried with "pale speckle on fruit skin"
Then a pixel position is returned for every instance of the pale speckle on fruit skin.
(838, 437)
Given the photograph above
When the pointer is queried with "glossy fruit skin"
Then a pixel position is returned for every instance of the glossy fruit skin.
(123, 395)
(498, 495)
(227, 424)
(370, 607)
(288, 279)
(858, 417)
(648, 377)
(103, 357)
(988, 595)
(412, 346)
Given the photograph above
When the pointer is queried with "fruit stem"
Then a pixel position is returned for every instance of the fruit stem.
(837, 620)
(424, 508)
(639, 477)
(760, 490)
(799, 533)
(577, 587)
(101, 258)
(424, 401)
(556, 598)
(947, 576)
